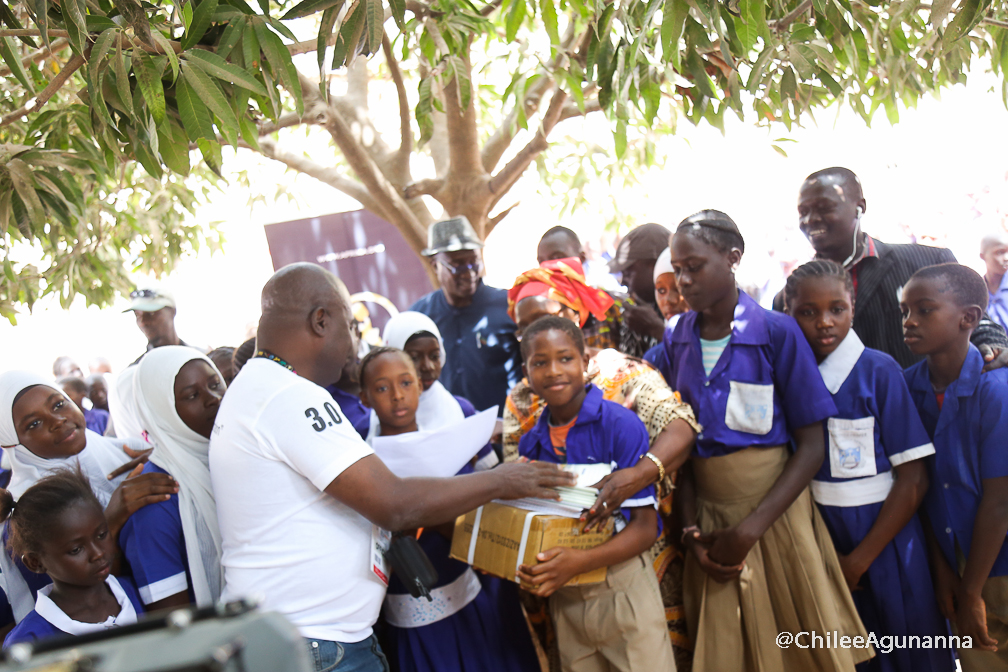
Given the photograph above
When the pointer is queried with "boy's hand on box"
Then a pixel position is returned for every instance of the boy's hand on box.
(556, 567)
(971, 620)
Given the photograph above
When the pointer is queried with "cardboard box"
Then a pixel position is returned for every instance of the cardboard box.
(505, 531)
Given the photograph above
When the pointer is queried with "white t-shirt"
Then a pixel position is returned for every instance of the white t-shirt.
(279, 440)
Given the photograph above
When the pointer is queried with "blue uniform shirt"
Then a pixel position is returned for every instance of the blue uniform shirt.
(483, 361)
(875, 429)
(153, 543)
(765, 384)
(353, 408)
(603, 432)
(968, 433)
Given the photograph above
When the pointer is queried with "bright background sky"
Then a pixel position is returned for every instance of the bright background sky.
(940, 174)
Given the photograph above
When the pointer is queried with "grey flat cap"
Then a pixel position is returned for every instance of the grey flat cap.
(451, 235)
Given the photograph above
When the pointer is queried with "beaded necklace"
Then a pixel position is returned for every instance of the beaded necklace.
(273, 358)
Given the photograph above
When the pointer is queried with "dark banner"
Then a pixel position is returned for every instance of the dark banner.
(364, 251)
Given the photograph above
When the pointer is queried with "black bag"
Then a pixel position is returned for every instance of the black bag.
(411, 563)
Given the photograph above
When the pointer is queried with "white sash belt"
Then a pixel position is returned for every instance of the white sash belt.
(856, 492)
(406, 611)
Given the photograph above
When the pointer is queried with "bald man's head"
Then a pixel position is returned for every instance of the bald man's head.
(830, 204)
(306, 319)
(994, 252)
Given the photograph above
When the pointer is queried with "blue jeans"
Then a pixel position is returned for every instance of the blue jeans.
(362, 656)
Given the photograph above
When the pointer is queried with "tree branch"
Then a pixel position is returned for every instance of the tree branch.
(571, 110)
(498, 143)
(490, 7)
(309, 46)
(790, 17)
(994, 22)
(286, 120)
(38, 55)
(331, 176)
(427, 187)
(496, 219)
(405, 128)
(48, 92)
(509, 174)
(32, 32)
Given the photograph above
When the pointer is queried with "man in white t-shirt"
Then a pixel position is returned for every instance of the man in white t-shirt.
(298, 491)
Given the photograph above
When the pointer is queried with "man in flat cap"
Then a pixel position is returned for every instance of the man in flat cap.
(483, 361)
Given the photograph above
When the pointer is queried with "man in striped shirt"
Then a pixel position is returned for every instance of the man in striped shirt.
(830, 206)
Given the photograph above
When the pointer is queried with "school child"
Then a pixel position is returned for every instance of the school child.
(474, 623)
(874, 476)
(761, 561)
(618, 624)
(174, 547)
(41, 431)
(965, 411)
(59, 528)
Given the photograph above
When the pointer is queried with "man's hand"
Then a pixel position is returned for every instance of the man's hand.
(556, 567)
(995, 358)
(644, 320)
(139, 457)
(971, 621)
(532, 479)
(136, 492)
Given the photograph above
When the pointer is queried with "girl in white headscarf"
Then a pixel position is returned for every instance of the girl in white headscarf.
(174, 547)
(42, 431)
(418, 336)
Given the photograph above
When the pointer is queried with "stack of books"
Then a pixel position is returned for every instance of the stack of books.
(573, 498)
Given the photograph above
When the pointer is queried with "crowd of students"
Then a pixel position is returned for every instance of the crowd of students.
(771, 473)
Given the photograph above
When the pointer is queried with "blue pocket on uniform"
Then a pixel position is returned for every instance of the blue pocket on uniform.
(325, 655)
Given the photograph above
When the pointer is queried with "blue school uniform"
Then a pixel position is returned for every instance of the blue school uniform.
(353, 409)
(603, 432)
(875, 429)
(968, 433)
(764, 385)
(154, 545)
(47, 620)
(488, 633)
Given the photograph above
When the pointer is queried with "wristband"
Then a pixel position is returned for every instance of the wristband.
(658, 463)
(688, 531)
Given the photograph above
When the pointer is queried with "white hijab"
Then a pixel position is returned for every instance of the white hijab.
(438, 408)
(123, 404)
(186, 456)
(99, 457)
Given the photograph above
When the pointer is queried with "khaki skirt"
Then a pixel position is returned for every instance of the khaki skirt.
(791, 582)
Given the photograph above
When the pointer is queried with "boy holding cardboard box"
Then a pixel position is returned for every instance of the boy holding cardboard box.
(618, 624)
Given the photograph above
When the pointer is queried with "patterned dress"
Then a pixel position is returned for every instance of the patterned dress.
(634, 384)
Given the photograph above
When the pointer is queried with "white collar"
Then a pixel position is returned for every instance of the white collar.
(839, 363)
(48, 610)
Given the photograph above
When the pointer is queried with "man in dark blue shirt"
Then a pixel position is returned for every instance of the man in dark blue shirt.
(482, 357)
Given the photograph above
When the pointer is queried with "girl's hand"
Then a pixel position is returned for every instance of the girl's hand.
(140, 457)
(556, 567)
(971, 620)
(729, 546)
(720, 573)
(946, 584)
(136, 492)
(853, 569)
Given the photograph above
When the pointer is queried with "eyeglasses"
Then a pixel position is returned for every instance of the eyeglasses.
(476, 267)
(144, 294)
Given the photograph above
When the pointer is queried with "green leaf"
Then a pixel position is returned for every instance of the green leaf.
(748, 27)
(375, 24)
(280, 60)
(398, 8)
(24, 185)
(230, 36)
(77, 11)
(202, 17)
(98, 24)
(149, 78)
(7, 17)
(41, 9)
(789, 85)
(309, 7)
(939, 11)
(174, 147)
(620, 138)
(280, 27)
(197, 122)
(122, 80)
(12, 57)
(325, 31)
(214, 65)
(250, 47)
(166, 46)
(424, 111)
(515, 18)
(142, 151)
(550, 21)
(249, 132)
(213, 97)
(673, 18)
(187, 14)
(962, 21)
(349, 32)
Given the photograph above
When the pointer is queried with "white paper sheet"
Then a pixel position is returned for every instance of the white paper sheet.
(436, 453)
(573, 499)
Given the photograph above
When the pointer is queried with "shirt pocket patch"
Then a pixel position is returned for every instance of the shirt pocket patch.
(749, 408)
(852, 447)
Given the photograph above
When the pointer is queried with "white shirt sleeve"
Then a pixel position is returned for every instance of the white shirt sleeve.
(310, 434)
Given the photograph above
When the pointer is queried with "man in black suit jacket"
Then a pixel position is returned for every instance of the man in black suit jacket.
(830, 205)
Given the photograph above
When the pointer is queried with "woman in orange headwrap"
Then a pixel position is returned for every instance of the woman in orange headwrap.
(558, 287)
